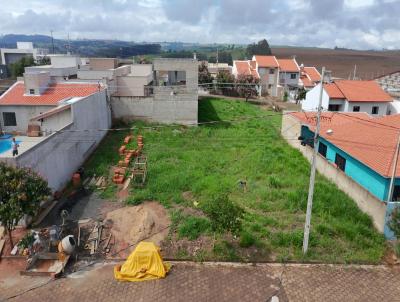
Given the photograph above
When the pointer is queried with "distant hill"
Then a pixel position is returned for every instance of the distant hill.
(12, 39)
(87, 48)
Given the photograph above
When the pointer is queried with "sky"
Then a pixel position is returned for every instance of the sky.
(359, 24)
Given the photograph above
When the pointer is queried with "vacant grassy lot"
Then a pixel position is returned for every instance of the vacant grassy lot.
(195, 172)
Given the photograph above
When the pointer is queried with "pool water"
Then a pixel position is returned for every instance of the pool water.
(5, 145)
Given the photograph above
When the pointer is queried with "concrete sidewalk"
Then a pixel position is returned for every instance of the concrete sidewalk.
(223, 282)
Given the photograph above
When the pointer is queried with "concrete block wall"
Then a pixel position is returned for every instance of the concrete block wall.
(58, 156)
(155, 110)
(190, 66)
(369, 204)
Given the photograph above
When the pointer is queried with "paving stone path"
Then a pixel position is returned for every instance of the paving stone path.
(219, 282)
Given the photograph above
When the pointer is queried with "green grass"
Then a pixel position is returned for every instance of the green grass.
(192, 227)
(209, 160)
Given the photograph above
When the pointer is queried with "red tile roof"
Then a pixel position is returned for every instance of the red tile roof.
(363, 91)
(288, 65)
(313, 74)
(246, 68)
(15, 95)
(376, 149)
(306, 81)
(242, 67)
(333, 91)
(266, 61)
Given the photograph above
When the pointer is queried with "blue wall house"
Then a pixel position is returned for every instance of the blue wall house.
(363, 149)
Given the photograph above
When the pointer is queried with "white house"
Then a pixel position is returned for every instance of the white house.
(57, 125)
(11, 55)
(349, 96)
(289, 76)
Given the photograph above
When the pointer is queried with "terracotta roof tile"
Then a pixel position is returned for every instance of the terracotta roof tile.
(376, 150)
(242, 67)
(288, 65)
(363, 91)
(333, 91)
(246, 68)
(15, 95)
(313, 73)
(266, 61)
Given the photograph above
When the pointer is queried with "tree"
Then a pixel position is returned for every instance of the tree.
(204, 75)
(225, 81)
(17, 68)
(247, 86)
(261, 48)
(301, 95)
(21, 191)
(225, 57)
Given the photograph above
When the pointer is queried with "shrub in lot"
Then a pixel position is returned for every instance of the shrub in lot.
(246, 239)
(394, 223)
(224, 214)
(192, 227)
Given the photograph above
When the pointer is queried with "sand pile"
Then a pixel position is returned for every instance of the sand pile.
(148, 221)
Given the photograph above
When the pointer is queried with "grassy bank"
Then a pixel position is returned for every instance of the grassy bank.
(191, 167)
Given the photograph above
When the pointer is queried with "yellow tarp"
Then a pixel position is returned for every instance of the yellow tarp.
(144, 263)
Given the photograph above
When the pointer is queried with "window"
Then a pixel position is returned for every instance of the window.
(272, 71)
(9, 119)
(322, 149)
(356, 108)
(293, 76)
(333, 107)
(340, 161)
(31, 91)
(375, 110)
(396, 193)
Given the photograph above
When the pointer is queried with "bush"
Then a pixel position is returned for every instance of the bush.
(394, 223)
(224, 214)
(246, 239)
(192, 227)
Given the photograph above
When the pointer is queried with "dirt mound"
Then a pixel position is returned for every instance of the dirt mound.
(148, 221)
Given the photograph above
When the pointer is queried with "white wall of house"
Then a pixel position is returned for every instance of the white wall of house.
(285, 78)
(367, 107)
(61, 61)
(23, 114)
(312, 99)
(58, 156)
(56, 121)
(269, 81)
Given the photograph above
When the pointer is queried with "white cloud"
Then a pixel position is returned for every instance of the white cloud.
(329, 23)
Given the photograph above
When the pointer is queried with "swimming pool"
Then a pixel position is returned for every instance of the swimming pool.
(5, 145)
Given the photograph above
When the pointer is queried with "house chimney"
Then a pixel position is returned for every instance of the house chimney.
(36, 82)
(302, 68)
(195, 56)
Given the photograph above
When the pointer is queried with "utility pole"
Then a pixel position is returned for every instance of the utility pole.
(395, 159)
(52, 40)
(355, 71)
(313, 168)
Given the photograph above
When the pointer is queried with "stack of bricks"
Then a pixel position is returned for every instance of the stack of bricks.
(119, 175)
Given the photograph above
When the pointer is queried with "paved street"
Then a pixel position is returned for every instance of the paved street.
(224, 282)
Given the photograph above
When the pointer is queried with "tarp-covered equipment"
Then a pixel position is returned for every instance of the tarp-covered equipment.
(144, 263)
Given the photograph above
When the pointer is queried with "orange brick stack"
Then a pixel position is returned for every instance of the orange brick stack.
(119, 176)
